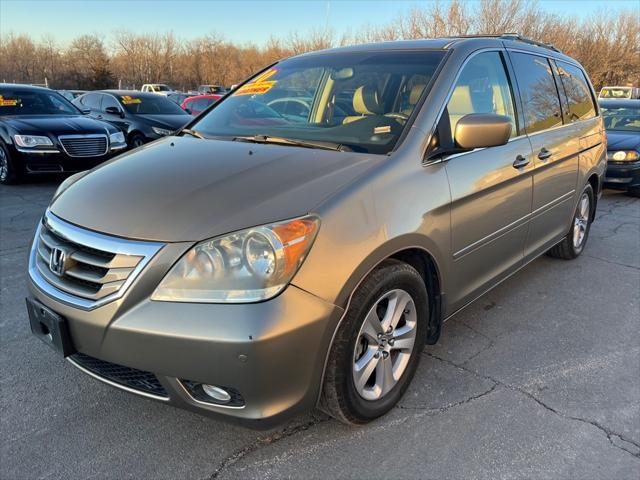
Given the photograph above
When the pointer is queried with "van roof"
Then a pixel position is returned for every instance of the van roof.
(511, 40)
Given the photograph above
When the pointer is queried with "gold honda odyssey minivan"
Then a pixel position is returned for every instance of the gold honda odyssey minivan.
(299, 242)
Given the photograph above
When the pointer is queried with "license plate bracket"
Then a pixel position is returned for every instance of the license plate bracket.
(50, 327)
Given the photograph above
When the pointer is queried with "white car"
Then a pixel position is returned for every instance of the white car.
(159, 88)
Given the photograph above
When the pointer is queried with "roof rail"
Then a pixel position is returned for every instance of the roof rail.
(512, 36)
(520, 38)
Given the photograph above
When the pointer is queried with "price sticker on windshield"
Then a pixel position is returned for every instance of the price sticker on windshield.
(129, 100)
(8, 102)
(259, 85)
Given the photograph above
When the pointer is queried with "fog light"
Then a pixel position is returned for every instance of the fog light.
(217, 393)
(214, 394)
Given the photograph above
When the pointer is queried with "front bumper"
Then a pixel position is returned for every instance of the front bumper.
(622, 175)
(272, 352)
(34, 162)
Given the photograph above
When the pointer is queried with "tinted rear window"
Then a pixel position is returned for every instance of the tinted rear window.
(538, 91)
(581, 104)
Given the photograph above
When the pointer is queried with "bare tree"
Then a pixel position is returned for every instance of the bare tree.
(607, 44)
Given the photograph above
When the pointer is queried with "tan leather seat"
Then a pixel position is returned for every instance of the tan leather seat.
(414, 96)
(459, 105)
(366, 102)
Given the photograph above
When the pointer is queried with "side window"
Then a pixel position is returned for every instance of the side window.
(574, 83)
(109, 101)
(91, 100)
(482, 87)
(538, 91)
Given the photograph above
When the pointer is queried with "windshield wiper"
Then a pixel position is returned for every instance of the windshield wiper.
(193, 133)
(293, 142)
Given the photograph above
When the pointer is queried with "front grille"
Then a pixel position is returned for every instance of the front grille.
(84, 145)
(129, 377)
(87, 272)
(85, 268)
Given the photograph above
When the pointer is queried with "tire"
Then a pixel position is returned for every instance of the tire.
(9, 173)
(634, 192)
(358, 340)
(573, 244)
(137, 140)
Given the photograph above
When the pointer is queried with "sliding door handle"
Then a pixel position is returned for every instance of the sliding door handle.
(521, 161)
(544, 154)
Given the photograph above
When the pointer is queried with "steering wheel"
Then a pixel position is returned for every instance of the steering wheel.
(306, 108)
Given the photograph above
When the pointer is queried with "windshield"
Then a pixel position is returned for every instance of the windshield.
(34, 102)
(615, 93)
(621, 118)
(359, 100)
(150, 105)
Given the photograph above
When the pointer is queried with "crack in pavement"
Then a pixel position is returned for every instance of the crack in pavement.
(238, 455)
(612, 262)
(611, 435)
(438, 410)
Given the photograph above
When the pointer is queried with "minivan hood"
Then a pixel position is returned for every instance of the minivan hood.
(188, 189)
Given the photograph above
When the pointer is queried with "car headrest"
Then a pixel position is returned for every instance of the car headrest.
(414, 94)
(366, 102)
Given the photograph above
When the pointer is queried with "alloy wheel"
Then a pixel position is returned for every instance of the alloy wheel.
(385, 344)
(581, 221)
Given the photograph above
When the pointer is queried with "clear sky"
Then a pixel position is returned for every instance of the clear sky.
(240, 21)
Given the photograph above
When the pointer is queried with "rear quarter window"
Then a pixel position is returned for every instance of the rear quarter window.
(580, 101)
(538, 91)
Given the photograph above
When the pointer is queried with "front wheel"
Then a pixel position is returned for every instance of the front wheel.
(573, 244)
(8, 172)
(136, 141)
(377, 347)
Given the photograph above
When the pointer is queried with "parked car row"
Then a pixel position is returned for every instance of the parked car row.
(41, 132)
(44, 130)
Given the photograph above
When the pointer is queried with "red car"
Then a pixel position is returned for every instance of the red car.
(195, 105)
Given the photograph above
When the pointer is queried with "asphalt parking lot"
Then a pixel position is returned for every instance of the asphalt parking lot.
(538, 379)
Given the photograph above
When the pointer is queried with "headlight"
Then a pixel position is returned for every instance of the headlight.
(31, 141)
(162, 131)
(246, 266)
(624, 156)
(116, 138)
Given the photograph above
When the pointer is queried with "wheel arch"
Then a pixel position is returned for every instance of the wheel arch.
(429, 269)
(596, 184)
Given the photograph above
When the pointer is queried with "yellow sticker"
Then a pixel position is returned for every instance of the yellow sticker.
(8, 102)
(259, 85)
(129, 100)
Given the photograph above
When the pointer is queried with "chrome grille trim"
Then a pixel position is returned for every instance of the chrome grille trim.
(101, 280)
(90, 145)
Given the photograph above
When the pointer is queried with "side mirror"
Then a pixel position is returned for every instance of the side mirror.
(480, 130)
(85, 110)
(114, 111)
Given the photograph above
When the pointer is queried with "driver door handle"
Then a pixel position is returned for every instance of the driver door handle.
(544, 154)
(521, 161)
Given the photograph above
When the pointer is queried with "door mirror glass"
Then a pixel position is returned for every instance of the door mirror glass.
(113, 110)
(480, 130)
